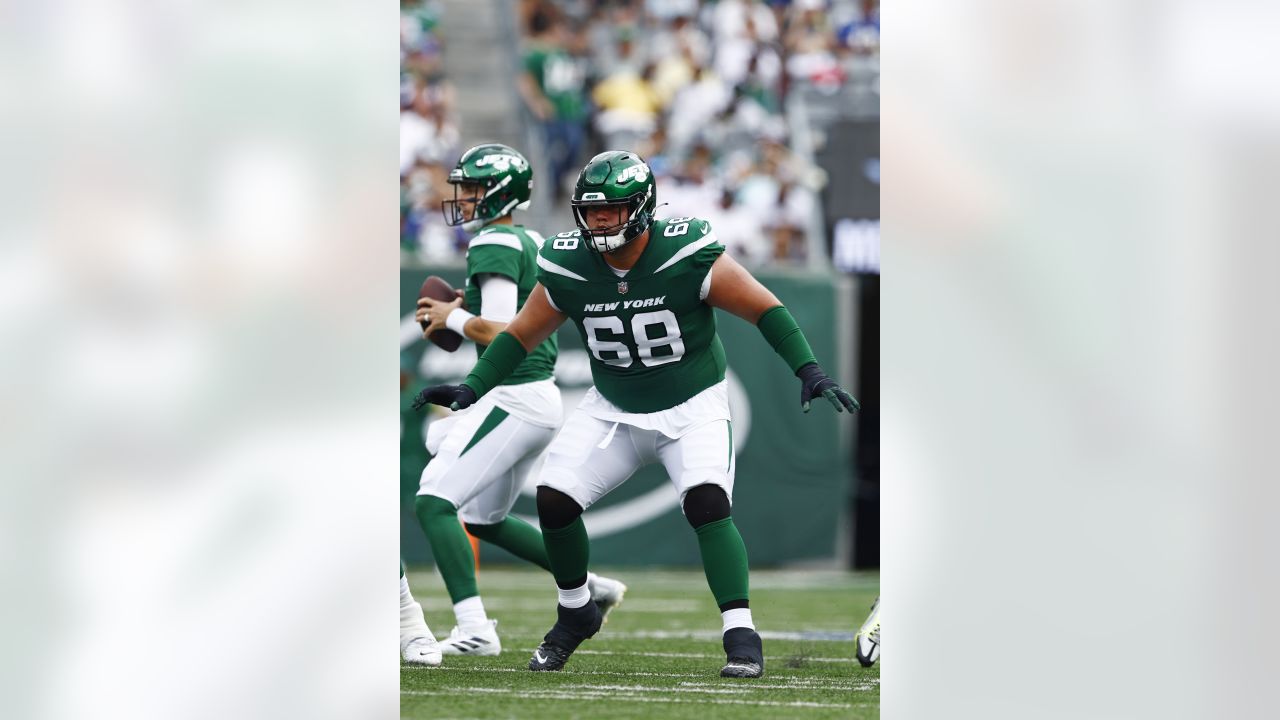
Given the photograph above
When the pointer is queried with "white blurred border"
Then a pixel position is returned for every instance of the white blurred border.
(199, 273)
(1079, 320)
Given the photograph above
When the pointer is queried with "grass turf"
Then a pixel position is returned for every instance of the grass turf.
(659, 655)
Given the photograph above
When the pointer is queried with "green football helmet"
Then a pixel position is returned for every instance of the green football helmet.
(504, 174)
(615, 178)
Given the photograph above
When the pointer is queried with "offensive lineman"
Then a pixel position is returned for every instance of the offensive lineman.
(483, 456)
(641, 293)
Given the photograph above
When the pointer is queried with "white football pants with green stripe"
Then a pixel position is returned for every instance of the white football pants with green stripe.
(484, 454)
(590, 457)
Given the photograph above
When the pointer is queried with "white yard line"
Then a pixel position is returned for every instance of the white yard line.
(694, 656)
(775, 658)
(795, 682)
(820, 635)
(630, 695)
(797, 685)
(564, 672)
(789, 683)
(629, 689)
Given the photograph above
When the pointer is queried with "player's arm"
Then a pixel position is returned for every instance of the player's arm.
(532, 95)
(531, 326)
(498, 297)
(735, 290)
(536, 321)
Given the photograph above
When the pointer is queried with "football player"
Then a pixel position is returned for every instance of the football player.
(417, 645)
(641, 292)
(483, 456)
(868, 638)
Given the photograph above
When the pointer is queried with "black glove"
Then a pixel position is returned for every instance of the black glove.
(454, 397)
(814, 382)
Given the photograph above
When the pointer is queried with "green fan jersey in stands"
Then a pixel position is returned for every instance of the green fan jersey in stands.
(651, 338)
(511, 251)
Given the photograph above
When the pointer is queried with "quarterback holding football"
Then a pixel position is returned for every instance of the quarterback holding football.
(641, 292)
(483, 455)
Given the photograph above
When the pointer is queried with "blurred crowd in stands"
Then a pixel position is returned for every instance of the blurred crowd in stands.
(430, 139)
(698, 88)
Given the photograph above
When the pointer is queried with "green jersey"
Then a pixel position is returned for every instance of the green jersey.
(510, 251)
(561, 78)
(651, 337)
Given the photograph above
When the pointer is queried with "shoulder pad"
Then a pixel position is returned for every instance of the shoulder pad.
(567, 241)
(497, 235)
(690, 235)
(561, 255)
(684, 229)
(536, 237)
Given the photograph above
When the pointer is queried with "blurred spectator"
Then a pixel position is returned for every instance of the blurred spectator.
(553, 86)
(739, 230)
(419, 43)
(694, 106)
(628, 104)
(422, 227)
(654, 150)
(810, 42)
(679, 54)
(429, 133)
(858, 28)
(787, 219)
(543, 10)
(700, 89)
(691, 189)
(671, 9)
(761, 82)
(741, 26)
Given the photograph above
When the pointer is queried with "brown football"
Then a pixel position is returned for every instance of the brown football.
(436, 288)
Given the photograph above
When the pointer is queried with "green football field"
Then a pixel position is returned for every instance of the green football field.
(659, 655)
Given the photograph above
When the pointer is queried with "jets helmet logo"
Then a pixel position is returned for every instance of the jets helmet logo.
(501, 162)
(639, 172)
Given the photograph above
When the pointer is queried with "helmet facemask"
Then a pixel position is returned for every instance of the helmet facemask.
(455, 210)
(484, 208)
(633, 224)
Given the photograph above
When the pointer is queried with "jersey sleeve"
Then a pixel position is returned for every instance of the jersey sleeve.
(499, 298)
(555, 277)
(710, 248)
(704, 248)
(494, 259)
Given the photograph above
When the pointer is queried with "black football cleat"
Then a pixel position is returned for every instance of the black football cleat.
(745, 652)
(573, 625)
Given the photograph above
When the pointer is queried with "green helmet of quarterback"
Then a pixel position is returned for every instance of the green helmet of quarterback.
(506, 179)
(615, 178)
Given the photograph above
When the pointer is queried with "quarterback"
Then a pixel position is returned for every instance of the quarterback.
(483, 455)
(641, 292)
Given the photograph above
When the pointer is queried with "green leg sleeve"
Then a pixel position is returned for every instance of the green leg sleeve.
(449, 545)
(568, 551)
(516, 537)
(724, 559)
